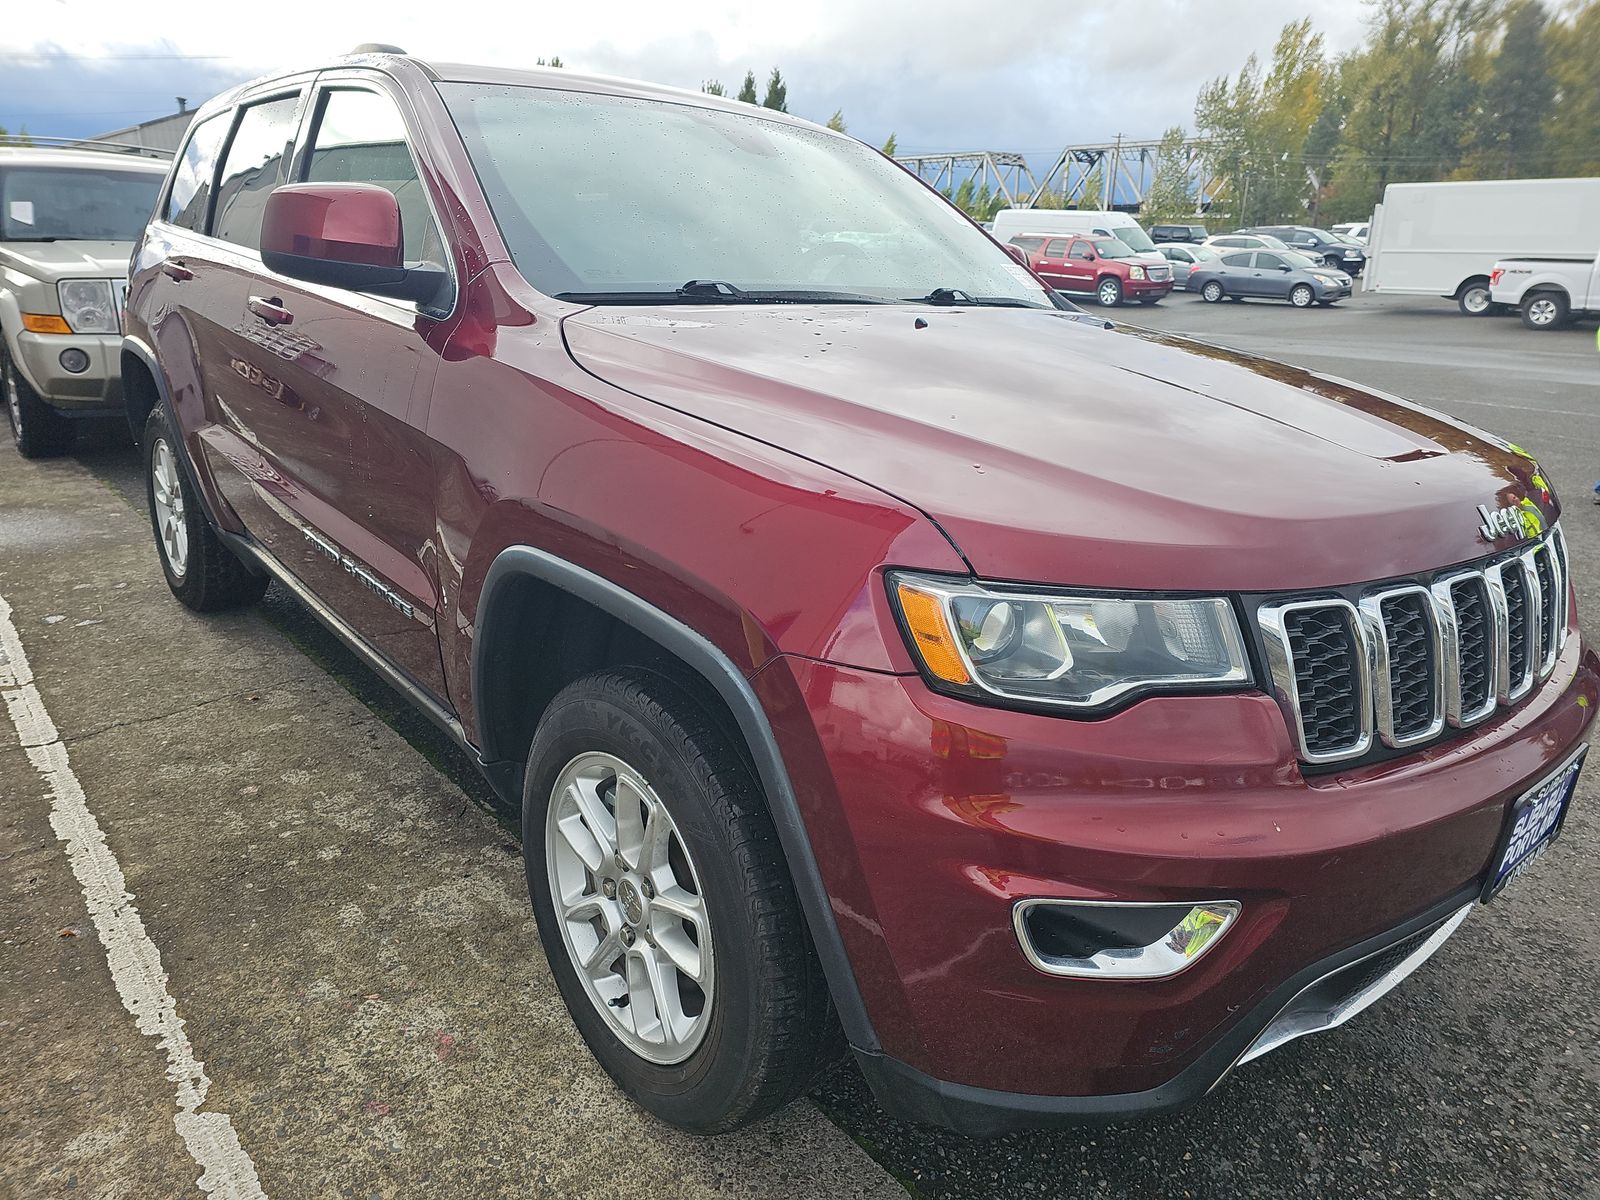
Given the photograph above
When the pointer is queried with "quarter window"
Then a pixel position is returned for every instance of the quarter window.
(193, 175)
(1236, 260)
(252, 167)
(361, 138)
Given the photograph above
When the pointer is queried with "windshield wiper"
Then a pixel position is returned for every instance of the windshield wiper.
(717, 291)
(952, 296)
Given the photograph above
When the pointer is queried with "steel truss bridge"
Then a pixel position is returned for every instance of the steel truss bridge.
(1126, 168)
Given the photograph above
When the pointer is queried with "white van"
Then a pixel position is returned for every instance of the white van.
(1016, 222)
(1443, 239)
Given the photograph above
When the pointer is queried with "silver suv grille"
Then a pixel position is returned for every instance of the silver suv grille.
(1403, 662)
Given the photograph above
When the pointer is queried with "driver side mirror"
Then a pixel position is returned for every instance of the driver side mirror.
(1284, 267)
(344, 235)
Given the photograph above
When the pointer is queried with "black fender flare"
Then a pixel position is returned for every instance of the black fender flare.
(719, 672)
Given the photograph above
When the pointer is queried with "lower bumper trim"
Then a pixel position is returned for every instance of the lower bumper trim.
(909, 1094)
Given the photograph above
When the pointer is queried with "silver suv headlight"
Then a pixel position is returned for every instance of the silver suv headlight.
(88, 305)
(1069, 651)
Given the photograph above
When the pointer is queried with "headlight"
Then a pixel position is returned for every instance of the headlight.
(87, 305)
(1327, 279)
(1075, 652)
(1135, 272)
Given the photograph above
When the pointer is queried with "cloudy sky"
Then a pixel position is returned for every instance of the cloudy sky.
(1024, 75)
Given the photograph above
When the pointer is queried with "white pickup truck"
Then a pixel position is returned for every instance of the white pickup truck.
(1549, 292)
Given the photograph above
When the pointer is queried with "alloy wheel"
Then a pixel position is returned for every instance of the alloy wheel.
(167, 496)
(1110, 293)
(1302, 296)
(1542, 312)
(13, 401)
(1212, 292)
(630, 907)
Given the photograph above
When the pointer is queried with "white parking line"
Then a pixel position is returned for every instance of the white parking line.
(226, 1171)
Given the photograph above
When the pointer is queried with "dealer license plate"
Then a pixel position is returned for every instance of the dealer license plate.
(1534, 822)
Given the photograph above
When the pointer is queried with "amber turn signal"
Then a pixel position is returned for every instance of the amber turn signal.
(925, 617)
(45, 323)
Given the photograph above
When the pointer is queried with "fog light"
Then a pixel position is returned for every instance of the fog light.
(75, 360)
(1098, 939)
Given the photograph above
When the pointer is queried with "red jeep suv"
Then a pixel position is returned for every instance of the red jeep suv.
(875, 647)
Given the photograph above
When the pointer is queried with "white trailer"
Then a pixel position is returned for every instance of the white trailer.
(1443, 239)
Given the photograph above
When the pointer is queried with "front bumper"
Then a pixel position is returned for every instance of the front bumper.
(90, 392)
(931, 817)
(1147, 287)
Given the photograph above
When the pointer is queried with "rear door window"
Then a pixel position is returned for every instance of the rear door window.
(1268, 262)
(195, 172)
(252, 167)
(361, 138)
(1056, 249)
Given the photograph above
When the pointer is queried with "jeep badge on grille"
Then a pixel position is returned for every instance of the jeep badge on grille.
(1500, 522)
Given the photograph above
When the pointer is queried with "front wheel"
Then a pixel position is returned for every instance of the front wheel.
(1473, 298)
(201, 572)
(665, 908)
(39, 430)
(1109, 293)
(1212, 292)
(1545, 310)
(1303, 296)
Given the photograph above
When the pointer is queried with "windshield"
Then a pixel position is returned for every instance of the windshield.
(1134, 237)
(50, 204)
(605, 196)
(1112, 248)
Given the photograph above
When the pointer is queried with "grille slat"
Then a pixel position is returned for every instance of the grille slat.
(1412, 665)
(1416, 657)
(1475, 636)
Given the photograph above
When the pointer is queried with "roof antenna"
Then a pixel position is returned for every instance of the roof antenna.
(377, 48)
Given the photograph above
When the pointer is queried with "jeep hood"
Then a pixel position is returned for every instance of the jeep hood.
(54, 261)
(1051, 449)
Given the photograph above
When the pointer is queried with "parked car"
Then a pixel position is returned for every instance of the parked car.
(1102, 267)
(1443, 239)
(1010, 223)
(68, 220)
(1319, 244)
(1177, 233)
(1269, 275)
(1185, 258)
(1549, 293)
(1356, 230)
(877, 654)
(1244, 241)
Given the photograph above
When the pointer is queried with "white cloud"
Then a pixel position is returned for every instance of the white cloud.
(1029, 75)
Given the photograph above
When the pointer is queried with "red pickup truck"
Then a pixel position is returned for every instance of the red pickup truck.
(879, 651)
(1102, 267)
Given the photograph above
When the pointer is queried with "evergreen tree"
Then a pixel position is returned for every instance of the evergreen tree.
(747, 90)
(777, 96)
(836, 122)
(713, 87)
(1169, 196)
(890, 146)
(1516, 98)
(1572, 126)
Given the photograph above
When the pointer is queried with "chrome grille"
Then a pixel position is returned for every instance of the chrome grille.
(1413, 658)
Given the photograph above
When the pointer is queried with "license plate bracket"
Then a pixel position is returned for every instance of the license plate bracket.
(1533, 823)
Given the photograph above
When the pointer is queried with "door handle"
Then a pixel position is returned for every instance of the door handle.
(270, 310)
(175, 270)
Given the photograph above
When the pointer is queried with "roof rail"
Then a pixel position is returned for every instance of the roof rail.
(41, 142)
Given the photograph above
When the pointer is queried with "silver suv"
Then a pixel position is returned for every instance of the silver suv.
(68, 221)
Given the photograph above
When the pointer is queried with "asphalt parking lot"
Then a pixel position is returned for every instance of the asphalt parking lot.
(361, 1006)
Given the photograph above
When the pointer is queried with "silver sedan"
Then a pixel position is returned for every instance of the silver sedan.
(1185, 259)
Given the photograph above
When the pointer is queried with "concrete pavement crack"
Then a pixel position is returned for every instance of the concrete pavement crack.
(76, 737)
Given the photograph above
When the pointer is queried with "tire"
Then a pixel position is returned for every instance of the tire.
(1546, 310)
(1108, 292)
(1473, 298)
(763, 1028)
(202, 573)
(1333, 262)
(1212, 292)
(39, 431)
(1302, 295)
